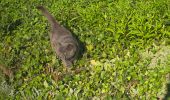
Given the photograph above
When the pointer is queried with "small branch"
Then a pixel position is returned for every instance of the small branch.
(8, 72)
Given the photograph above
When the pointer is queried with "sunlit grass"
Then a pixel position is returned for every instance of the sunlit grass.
(121, 38)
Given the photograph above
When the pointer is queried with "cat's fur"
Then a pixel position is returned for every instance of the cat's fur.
(62, 41)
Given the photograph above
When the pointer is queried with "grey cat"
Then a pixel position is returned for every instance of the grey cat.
(62, 41)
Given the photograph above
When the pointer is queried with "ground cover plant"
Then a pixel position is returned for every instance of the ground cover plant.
(126, 52)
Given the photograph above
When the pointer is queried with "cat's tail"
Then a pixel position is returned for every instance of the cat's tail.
(46, 13)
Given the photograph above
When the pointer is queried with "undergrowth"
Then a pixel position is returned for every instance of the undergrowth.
(120, 40)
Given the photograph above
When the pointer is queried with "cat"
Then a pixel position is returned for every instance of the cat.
(62, 41)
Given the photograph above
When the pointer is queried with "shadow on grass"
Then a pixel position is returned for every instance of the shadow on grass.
(82, 47)
(167, 96)
(12, 26)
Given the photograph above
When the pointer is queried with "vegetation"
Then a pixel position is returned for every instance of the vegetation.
(125, 55)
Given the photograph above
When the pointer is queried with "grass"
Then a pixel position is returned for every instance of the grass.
(126, 49)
